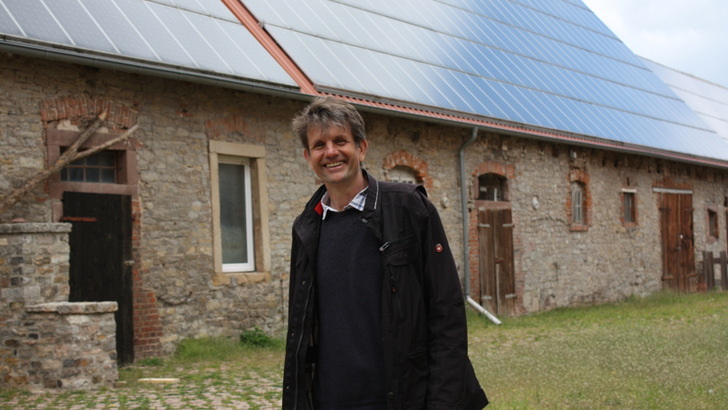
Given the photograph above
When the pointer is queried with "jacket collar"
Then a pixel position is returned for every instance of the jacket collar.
(371, 215)
(308, 225)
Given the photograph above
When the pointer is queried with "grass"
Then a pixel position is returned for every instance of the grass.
(664, 351)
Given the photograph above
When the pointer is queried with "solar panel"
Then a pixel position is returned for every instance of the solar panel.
(708, 100)
(201, 35)
(549, 64)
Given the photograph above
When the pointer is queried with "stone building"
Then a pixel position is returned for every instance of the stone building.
(606, 201)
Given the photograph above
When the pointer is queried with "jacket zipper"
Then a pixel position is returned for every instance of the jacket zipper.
(298, 348)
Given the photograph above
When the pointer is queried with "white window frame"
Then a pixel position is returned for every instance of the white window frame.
(258, 267)
(249, 265)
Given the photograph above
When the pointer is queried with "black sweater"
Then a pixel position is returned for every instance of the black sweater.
(350, 369)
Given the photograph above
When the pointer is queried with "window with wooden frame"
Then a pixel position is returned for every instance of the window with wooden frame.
(97, 168)
(578, 205)
(578, 201)
(112, 171)
(240, 212)
(713, 224)
(492, 187)
(629, 207)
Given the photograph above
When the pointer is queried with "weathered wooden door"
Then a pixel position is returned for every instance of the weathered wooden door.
(678, 253)
(100, 260)
(497, 277)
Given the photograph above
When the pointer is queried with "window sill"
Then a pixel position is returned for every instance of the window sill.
(240, 278)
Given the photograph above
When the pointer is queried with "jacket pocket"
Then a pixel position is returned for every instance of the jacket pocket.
(400, 252)
(397, 256)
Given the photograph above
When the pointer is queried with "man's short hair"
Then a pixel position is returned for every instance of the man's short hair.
(324, 112)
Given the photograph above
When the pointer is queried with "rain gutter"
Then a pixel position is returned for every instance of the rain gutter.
(35, 50)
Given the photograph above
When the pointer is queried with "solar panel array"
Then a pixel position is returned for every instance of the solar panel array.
(550, 64)
(544, 63)
(188, 34)
(708, 100)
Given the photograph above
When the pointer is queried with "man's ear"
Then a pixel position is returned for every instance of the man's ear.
(363, 145)
(305, 153)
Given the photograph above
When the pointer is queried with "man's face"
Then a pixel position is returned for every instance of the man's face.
(333, 156)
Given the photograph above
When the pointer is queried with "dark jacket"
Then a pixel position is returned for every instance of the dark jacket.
(423, 313)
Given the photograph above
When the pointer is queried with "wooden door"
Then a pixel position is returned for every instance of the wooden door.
(678, 252)
(100, 259)
(497, 276)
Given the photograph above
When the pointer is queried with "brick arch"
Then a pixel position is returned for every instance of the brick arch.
(404, 158)
(232, 128)
(84, 107)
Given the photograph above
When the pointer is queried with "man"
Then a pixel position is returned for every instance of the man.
(376, 318)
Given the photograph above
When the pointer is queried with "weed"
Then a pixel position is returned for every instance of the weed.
(257, 338)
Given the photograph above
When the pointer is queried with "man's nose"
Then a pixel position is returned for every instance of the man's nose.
(330, 149)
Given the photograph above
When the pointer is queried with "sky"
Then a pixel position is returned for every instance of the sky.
(686, 35)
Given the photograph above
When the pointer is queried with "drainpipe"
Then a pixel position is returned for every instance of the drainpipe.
(466, 230)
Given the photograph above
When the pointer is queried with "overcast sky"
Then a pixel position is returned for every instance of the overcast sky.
(687, 35)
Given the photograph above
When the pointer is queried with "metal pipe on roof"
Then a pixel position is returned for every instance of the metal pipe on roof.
(466, 230)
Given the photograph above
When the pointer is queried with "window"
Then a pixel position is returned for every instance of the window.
(491, 187)
(402, 173)
(578, 200)
(236, 218)
(98, 168)
(577, 204)
(112, 171)
(240, 215)
(629, 207)
(713, 223)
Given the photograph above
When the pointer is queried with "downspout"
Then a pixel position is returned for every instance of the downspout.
(466, 230)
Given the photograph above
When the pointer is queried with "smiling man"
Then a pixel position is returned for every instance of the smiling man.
(376, 318)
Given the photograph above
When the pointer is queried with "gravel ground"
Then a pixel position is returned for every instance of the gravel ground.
(224, 387)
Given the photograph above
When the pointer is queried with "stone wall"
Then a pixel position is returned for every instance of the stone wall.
(175, 292)
(46, 342)
(607, 260)
(66, 346)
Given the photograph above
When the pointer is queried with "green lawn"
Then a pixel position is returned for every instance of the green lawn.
(665, 351)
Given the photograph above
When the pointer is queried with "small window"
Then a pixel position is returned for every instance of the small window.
(629, 208)
(403, 174)
(97, 168)
(241, 238)
(577, 203)
(713, 223)
(236, 217)
(491, 187)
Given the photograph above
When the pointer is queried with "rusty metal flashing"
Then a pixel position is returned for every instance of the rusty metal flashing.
(249, 21)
